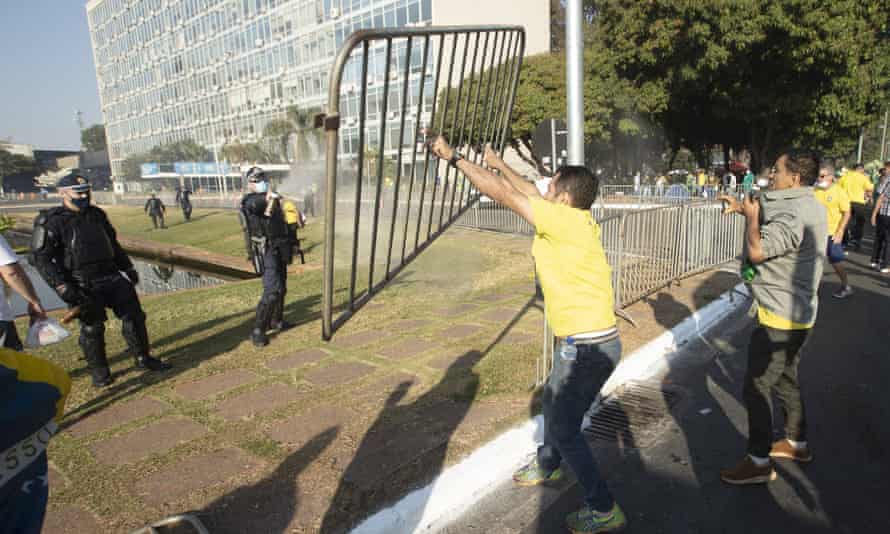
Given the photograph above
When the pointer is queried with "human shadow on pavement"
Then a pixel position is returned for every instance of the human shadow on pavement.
(186, 356)
(270, 505)
(406, 445)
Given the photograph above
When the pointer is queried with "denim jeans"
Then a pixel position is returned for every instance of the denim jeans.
(571, 389)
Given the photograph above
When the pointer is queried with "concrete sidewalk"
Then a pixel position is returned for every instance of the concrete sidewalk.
(666, 475)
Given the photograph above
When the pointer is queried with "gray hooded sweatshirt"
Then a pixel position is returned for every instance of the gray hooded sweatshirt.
(793, 231)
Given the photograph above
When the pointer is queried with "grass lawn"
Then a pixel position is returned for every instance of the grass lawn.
(214, 230)
(204, 332)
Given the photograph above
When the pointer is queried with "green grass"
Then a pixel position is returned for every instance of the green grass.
(214, 230)
(205, 331)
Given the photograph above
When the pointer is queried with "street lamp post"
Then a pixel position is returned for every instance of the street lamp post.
(884, 136)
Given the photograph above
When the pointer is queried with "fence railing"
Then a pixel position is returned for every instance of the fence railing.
(399, 84)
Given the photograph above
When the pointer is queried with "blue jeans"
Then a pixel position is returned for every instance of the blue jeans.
(568, 395)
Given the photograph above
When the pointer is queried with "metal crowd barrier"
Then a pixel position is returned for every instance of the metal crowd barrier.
(474, 72)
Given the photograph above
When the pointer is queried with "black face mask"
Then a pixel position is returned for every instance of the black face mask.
(81, 202)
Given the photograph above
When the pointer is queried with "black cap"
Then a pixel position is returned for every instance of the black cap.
(74, 182)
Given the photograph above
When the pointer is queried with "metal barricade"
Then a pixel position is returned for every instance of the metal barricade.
(387, 88)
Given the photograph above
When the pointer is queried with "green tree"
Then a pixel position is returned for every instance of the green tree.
(279, 131)
(93, 138)
(178, 151)
(752, 73)
(11, 164)
(302, 119)
(245, 153)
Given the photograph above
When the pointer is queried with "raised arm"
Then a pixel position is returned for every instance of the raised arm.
(494, 161)
(498, 188)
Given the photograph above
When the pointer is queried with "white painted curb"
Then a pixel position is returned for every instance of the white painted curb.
(431, 508)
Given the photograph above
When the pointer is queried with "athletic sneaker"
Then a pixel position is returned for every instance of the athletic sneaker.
(885, 270)
(747, 472)
(843, 293)
(587, 521)
(532, 475)
(874, 266)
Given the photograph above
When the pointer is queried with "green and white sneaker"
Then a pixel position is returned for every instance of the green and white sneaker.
(532, 475)
(587, 521)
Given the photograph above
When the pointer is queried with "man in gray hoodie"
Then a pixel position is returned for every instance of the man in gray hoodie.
(785, 240)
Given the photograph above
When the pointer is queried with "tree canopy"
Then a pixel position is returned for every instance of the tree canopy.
(760, 75)
(93, 138)
(11, 164)
(185, 150)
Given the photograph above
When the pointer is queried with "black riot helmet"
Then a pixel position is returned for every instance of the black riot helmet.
(255, 174)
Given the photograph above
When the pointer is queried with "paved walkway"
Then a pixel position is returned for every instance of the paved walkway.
(317, 437)
(666, 476)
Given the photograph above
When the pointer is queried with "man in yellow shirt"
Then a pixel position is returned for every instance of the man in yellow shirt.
(858, 187)
(837, 204)
(577, 285)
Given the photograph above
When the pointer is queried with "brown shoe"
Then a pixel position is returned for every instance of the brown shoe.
(747, 472)
(783, 449)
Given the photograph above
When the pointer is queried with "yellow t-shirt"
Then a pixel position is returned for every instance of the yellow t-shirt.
(837, 203)
(770, 319)
(702, 179)
(856, 185)
(572, 268)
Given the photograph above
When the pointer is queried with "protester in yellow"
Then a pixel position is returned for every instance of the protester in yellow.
(858, 187)
(837, 203)
(577, 285)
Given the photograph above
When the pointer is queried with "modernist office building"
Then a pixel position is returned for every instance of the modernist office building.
(217, 71)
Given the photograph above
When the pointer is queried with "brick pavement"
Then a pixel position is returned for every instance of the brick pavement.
(359, 421)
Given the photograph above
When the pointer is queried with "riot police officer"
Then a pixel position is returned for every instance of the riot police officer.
(182, 198)
(270, 248)
(156, 210)
(75, 248)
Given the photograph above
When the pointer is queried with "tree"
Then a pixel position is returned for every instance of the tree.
(11, 164)
(279, 131)
(185, 150)
(753, 73)
(178, 151)
(244, 153)
(304, 131)
(93, 138)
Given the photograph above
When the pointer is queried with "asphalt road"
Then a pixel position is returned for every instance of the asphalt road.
(668, 481)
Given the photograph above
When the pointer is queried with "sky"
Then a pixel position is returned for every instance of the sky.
(46, 62)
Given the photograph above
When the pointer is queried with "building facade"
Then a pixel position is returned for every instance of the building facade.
(217, 71)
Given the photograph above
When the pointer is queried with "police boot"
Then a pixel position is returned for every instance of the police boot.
(278, 322)
(259, 338)
(264, 312)
(137, 338)
(92, 342)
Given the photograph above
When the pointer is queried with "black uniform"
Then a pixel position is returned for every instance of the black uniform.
(155, 209)
(270, 248)
(182, 198)
(77, 253)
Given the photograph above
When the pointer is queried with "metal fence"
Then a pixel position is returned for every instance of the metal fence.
(458, 81)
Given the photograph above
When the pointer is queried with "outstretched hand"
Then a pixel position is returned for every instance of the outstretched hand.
(492, 159)
(441, 148)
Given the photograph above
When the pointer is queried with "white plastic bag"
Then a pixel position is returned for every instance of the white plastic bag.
(45, 332)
